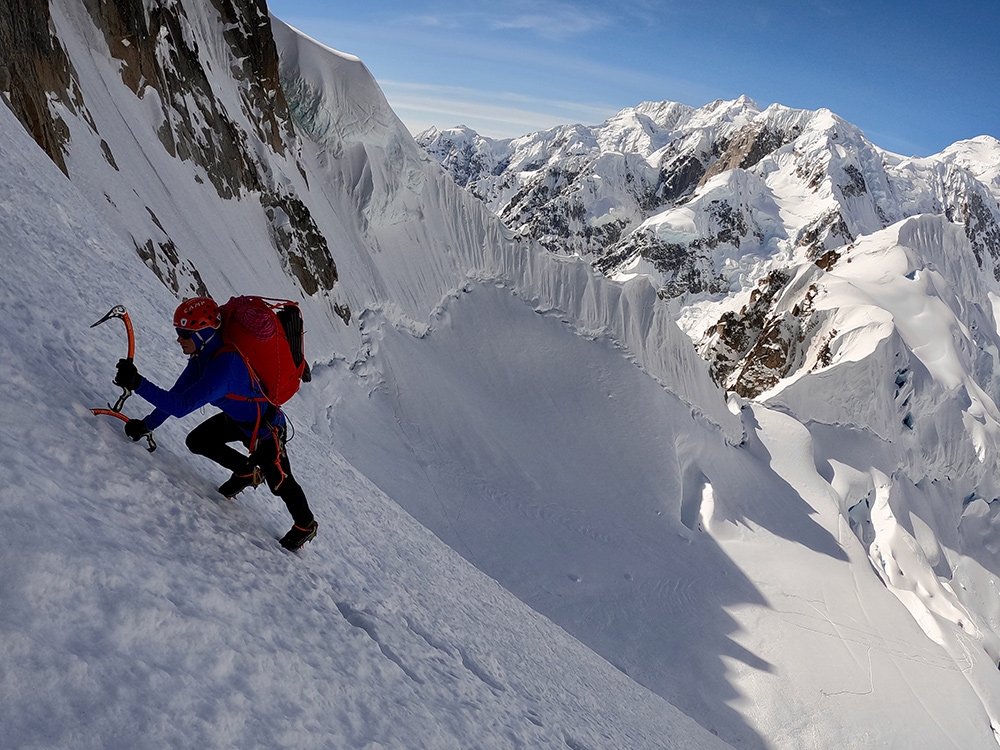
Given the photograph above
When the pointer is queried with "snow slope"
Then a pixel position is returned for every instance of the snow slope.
(727, 579)
(141, 611)
(785, 578)
(551, 471)
(562, 475)
(408, 237)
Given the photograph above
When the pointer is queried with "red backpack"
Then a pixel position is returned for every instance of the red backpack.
(268, 335)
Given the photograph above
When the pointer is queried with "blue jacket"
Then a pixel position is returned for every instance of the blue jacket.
(210, 378)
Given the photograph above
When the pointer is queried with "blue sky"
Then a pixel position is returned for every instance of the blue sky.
(915, 76)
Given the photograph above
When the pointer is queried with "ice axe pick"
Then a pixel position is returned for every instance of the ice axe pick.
(119, 311)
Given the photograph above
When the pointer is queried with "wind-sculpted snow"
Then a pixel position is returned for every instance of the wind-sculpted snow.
(980, 157)
(914, 345)
(139, 611)
(420, 237)
(806, 561)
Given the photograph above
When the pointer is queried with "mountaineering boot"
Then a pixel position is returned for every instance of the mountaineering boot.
(298, 535)
(239, 482)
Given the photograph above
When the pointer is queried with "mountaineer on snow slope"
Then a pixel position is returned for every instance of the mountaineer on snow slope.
(218, 374)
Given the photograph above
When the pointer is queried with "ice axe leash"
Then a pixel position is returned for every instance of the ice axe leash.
(119, 311)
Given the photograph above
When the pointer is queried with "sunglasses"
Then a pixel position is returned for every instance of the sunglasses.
(183, 333)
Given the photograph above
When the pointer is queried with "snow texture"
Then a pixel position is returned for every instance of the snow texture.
(141, 609)
(541, 523)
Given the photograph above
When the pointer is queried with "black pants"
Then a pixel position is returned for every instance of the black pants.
(211, 439)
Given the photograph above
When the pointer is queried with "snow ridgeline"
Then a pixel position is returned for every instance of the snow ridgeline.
(140, 612)
(956, 618)
(744, 589)
(913, 349)
(366, 153)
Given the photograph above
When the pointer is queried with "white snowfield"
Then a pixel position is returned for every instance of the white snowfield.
(143, 610)
(541, 523)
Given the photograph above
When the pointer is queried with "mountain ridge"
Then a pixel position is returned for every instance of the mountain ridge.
(759, 192)
(804, 565)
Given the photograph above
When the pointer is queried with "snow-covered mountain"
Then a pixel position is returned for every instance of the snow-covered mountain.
(748, 220)
(722, 204)
(543, 523)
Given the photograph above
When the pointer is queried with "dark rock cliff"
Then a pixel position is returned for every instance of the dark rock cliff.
(162, 62)
(33, 67)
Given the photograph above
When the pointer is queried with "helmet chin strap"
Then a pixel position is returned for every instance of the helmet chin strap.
(201, 338)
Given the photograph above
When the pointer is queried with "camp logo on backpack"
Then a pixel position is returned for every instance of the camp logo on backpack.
(267, 334)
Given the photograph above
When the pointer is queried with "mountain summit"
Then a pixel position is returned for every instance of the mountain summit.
(723, 207)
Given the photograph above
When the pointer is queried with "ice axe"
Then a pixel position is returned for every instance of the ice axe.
(123, 418)
(119, 311)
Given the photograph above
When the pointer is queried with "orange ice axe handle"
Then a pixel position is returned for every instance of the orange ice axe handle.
(123, 418)
(119, 311)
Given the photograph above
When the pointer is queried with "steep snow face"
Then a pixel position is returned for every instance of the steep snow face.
(787, 582)
(705, 571)
(140, 612)
(980, 157)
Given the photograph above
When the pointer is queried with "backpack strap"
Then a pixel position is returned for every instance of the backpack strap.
(267, 415)
(274, 432)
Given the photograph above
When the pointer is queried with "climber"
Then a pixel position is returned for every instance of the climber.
(217, 374)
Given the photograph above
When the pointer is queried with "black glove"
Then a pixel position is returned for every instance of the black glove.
(136, 429)
(128, 376)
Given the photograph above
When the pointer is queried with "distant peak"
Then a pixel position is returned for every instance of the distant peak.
(742, 102)
(427, 135)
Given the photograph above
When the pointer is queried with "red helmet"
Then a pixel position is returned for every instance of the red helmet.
(197, 313)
